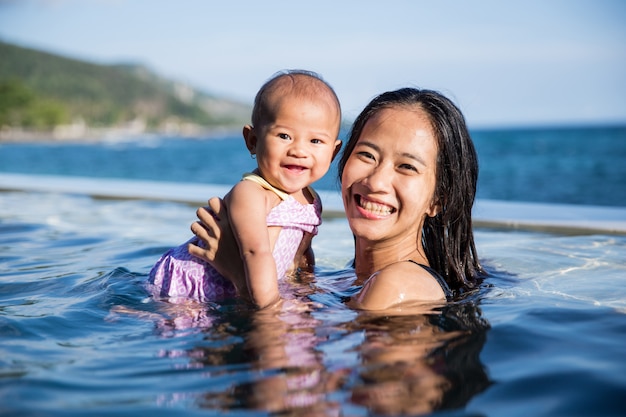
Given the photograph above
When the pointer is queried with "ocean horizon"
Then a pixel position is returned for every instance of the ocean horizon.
(561, 165)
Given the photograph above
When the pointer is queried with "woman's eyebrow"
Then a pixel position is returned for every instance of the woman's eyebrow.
(415, 157)
(368, 144)
(409, 155)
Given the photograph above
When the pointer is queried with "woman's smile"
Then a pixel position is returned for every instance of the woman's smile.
(373, 208)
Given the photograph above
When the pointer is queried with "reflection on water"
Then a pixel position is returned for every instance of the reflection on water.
(415, 364)
(292, 362)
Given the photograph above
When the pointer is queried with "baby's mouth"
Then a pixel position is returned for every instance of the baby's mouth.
(373, 207)
(295, 168)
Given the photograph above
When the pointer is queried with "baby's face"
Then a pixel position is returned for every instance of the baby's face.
(296, 149)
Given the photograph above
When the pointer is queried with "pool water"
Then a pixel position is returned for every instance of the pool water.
(545, 336)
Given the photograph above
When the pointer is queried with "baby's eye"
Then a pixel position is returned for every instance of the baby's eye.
(284, 136)
(316, 141)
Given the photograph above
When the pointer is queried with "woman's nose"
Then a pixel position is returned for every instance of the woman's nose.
(379, 178)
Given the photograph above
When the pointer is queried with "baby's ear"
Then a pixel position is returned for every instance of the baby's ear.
(337, 149)
(249, 136)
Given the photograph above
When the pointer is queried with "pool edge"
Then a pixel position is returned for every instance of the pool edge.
(493, 214)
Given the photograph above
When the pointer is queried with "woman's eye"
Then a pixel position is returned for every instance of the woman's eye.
(408, 167)
(284, 136)
(365, 155)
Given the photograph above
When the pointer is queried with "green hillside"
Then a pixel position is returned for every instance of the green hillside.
(39, 91)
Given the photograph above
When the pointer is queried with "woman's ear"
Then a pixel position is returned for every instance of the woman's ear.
(434, 210)
(435, 207)
(249, 136)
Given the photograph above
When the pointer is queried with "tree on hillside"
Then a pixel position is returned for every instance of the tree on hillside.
(20, 107)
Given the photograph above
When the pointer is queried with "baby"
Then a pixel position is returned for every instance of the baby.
(273, 211)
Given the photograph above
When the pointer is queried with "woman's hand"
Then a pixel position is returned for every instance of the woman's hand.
(220, 247)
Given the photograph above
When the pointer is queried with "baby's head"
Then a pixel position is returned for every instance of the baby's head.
(300, 84)
(295, 124)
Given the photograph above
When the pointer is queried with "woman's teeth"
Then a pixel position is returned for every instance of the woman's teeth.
(375, 208)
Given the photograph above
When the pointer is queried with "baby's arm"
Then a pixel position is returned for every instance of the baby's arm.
(248, 205)
(305, 258)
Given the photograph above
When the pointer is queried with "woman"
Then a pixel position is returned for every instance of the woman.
(408, 175)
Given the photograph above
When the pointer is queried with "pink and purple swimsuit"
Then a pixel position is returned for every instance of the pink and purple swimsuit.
(181, 276)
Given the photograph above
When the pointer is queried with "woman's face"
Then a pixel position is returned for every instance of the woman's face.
(388, 181)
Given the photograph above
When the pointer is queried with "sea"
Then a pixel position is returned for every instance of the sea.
(79, 336)
(574, 165)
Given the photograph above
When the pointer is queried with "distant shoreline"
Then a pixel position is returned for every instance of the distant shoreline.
(79, 132)
(65, 134)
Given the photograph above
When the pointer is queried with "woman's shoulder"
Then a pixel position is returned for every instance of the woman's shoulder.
(398, 283)
(437, 277)
(419, 281)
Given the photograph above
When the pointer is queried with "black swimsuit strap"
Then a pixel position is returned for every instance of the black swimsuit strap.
(442, 282)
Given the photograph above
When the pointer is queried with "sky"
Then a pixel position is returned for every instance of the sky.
(504, 63)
